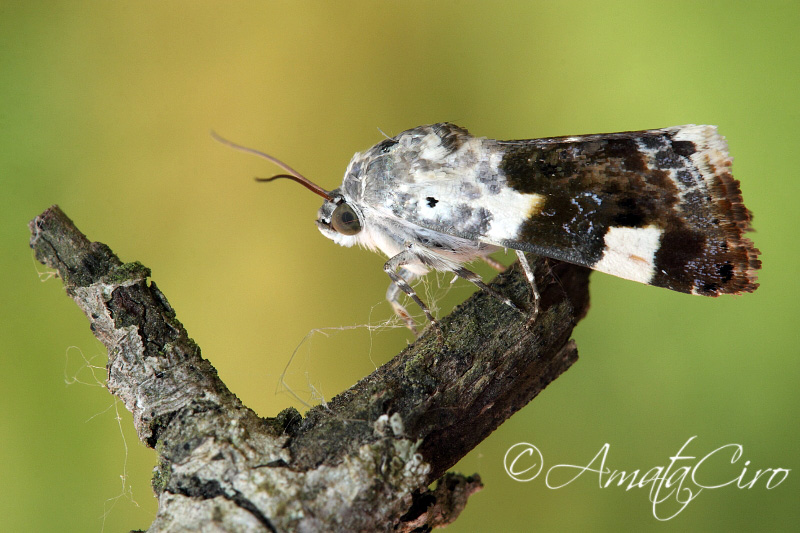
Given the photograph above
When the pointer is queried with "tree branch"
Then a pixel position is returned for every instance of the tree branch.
(364, 461)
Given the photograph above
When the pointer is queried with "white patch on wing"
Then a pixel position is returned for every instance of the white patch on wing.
(510, 209)
(630, 253)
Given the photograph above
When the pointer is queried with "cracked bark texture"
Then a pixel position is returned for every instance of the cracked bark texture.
(362, 463)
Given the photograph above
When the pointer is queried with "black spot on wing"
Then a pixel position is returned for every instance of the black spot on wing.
(726, 272)
(683, 148)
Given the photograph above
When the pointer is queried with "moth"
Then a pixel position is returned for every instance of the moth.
(657, 206)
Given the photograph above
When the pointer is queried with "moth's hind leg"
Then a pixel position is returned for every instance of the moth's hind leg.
(393, 297)
(535, 296)
(470, 276)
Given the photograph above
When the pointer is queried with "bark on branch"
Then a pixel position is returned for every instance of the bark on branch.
(361, 463)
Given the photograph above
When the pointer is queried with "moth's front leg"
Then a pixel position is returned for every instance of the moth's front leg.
(391, 266)
(393, 297)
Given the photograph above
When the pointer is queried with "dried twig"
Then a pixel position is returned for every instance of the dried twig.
(361, 463)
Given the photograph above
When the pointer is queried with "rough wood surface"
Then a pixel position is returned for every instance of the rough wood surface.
(363, 462)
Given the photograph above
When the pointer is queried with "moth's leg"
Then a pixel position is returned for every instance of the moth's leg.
(468, 275)
(393, 297)
(391, 266)
(494, 263)
(526, 267)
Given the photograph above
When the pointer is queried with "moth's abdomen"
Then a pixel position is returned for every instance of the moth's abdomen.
(659, 206)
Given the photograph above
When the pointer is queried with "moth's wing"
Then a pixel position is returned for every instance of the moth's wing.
(657, 206)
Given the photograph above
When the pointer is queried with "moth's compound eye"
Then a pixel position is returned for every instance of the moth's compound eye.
(344, 220)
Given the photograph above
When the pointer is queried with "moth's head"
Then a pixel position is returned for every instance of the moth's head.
(339, 220)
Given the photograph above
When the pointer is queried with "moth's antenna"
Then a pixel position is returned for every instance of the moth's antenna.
(292, 173)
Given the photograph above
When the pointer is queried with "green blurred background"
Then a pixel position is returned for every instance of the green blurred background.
(106, 107)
